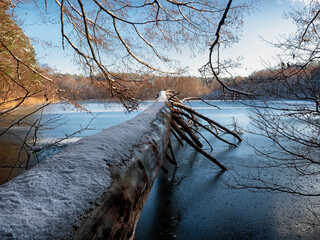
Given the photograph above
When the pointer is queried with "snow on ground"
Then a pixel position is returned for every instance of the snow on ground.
(49, 200)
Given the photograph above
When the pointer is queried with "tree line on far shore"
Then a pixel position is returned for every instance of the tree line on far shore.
(263, 84)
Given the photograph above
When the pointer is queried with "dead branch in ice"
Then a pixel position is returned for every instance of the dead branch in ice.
(185, 126)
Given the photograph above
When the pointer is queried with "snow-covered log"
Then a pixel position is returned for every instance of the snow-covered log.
(92, 189)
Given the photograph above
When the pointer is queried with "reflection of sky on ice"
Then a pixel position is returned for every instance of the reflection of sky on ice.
(66, 119)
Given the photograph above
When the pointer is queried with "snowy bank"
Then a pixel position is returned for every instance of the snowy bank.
(94, 188)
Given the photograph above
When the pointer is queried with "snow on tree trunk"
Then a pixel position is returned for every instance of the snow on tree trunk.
(94, 188)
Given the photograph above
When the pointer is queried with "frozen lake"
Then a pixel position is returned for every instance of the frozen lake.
(195, 200)
(58, 121)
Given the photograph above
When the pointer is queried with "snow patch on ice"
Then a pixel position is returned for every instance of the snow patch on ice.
(49, 140)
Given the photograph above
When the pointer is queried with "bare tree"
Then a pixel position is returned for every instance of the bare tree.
(291, 157)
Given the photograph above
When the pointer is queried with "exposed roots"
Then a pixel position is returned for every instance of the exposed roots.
(185, 126)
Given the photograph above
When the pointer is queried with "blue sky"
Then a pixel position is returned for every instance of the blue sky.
(267, 22)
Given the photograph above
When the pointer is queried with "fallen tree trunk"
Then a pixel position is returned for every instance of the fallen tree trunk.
(96, 187)
(92, 189)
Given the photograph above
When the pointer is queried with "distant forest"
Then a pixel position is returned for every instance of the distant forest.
(263, 84)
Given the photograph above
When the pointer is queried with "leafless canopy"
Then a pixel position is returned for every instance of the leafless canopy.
(114, 36)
